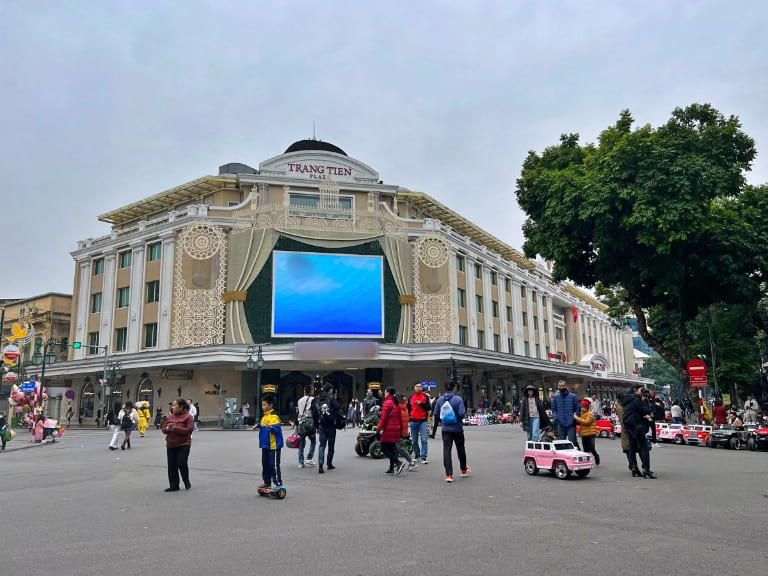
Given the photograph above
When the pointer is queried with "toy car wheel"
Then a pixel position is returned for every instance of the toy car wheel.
(735, 443)
(604, 434)
(281, 492)
(375, 451)
(751, 444)
(710, 443)
(408, 445)
(678, 439)
(582, 473)
(359, 450)
(530, 467)
(561, 470)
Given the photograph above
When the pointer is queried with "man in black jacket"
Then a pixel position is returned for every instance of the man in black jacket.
(327, 408)
(636, 422)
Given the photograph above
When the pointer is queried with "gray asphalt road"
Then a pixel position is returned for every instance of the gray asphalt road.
(74, 508)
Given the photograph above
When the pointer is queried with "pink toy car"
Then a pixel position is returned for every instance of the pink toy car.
(559, 457)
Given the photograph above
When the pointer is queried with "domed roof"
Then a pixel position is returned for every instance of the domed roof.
(312, 144)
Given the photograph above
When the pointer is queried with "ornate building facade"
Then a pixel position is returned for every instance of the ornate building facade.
(191, 278)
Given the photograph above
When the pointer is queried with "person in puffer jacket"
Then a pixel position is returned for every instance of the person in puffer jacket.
(587, 429)
(390, 428)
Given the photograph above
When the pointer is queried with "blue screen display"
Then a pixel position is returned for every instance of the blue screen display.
(327, 295)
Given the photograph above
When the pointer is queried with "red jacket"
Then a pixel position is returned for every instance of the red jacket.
(404, 420)
(390, 423)
(181, 435)
(418, 405)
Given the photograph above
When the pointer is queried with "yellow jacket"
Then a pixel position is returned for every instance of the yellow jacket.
(586, 422)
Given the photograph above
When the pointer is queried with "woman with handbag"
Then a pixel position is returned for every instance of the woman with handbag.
(307, 426)
(533, 416)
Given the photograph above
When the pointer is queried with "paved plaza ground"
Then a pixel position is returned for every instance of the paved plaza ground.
(75, 508)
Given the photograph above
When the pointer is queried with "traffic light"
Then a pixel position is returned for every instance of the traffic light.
(77, 345)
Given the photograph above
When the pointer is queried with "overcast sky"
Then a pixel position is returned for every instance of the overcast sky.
(104, 103)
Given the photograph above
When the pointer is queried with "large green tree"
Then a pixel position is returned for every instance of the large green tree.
(660, 217)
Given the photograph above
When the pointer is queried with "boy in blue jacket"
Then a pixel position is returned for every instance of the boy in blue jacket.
(270, 442)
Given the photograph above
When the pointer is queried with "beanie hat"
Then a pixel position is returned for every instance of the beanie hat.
(585, 403)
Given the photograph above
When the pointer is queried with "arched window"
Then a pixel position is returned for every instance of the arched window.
(146, 391)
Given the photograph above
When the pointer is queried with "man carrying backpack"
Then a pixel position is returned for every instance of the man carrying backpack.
(450, 409)
(327, 407)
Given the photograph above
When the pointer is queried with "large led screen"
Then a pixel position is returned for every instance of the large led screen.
(327, 295)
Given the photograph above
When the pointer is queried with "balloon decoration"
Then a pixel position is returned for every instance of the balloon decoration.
(11, 376)
(10, 355)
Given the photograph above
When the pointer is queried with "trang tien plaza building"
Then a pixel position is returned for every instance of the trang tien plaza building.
(315, 270)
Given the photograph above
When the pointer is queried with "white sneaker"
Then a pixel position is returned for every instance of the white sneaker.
(309, 462)
(301, 465)
(412, 466)
(424, 461)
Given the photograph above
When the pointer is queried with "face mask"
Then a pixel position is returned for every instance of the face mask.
(564, 391)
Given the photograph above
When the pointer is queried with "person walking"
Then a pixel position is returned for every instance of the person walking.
(533, 417)
(327, 407)
(564, 405)
(307, 426)
(112, 419)
(636, 422)
(128, 419)
(144, 416)
(389, 430)
(588, 429)
(271, 443)
(158, 417)
(419, 409)
(245, 410)
(193, 412)
(178, 427)
(70, 413)
(451, 411)
(405, 434)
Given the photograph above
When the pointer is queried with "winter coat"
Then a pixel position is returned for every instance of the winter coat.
(635, 410)
(624, 434)
(563, 409)
(587, 423)
(525, 416)
(390, 423)
(404, 420)
(458, 407)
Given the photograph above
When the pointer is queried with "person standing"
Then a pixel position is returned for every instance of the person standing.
(751, 408)
(588, 429)
(192, 412)
(419, 409)
(307, 426)
(327, 407)
(70, 413)
(390, 431)
(719, 413)
(158, 417)
(368, 402)
(564, 405)
(129, 420)
(144, 416)
(636, 421)
(533, 416)
(270, 442)
(452, 430)
(177, 427)
(677, 412)
(3, 429)
(245, 410)
(112, 419)
(405, 434)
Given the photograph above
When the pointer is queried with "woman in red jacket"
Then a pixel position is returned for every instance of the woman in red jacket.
(390, 428)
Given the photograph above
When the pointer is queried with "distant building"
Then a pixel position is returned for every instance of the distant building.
(336, 277)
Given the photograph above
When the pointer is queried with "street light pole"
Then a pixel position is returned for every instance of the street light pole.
(259, 363)
(713, 351)
(42, 360)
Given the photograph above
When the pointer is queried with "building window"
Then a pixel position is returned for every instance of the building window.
(154, 251)
(153, 291)
(93, 342)
(525, 319)
(232, 203)
(533, 295)
(480, 339)
(546, 326)
(123, 297)
(538, 350)
(308, 206)
(509, 313)
(494, 278)
(121, 339)
(478, 271)
(496, 342)
(544, 301)
(479, 303)
(150, 335)
(526, 349)
(459, 263)
(98, 267)
(461, 296)
(96, 303)
(125, 259)
(507, 285)
(462, 335)
(495, 306)
(558, 333)
(511, 345)
(522, 292)
(535, 322)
